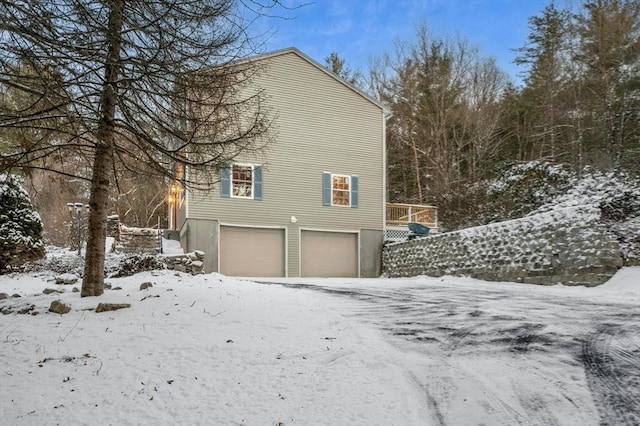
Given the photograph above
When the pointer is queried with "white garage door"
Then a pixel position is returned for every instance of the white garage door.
(251, 252)
(329, 254)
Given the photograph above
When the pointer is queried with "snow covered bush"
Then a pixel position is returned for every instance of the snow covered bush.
(612, 192)
(617, 195)
(537, 187)
(525, 187)
(20, 225)
(520, 189)
(134, 263)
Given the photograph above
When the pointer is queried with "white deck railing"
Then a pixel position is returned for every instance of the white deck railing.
(399, 215)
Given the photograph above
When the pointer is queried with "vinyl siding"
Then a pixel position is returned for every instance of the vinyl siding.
(322, 125)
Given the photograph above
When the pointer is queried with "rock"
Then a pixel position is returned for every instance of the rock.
(117, 288)
(146, 285)
(15, 295)
(138, 263)
(4, 296)
(106, 286)
(197, 267)
(189, 262)
(66, 279)
(58, 307)
(27, 309)
(51, 290)
(75, 290)
(105, 307)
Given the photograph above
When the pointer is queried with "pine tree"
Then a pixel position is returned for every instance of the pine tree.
(148, 86)
(20, 225)
(544, 54)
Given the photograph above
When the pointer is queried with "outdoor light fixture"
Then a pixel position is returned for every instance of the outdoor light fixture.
(172, 200)
(78, 208)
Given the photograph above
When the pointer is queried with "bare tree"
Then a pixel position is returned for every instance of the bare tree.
(445, 110)
(140, 86)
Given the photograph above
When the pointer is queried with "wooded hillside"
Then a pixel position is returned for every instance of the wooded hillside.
(457, 119)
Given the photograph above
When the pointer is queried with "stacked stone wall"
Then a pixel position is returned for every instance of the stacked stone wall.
(188, 262)
(570, 246)
(139, 240)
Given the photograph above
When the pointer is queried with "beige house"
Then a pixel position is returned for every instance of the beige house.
(314, 204)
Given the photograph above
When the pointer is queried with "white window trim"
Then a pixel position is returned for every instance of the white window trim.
(244, 197)
(348, 191)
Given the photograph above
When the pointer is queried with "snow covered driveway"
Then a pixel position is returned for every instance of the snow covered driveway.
(509, 354)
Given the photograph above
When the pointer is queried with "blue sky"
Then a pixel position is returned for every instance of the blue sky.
(359, 29)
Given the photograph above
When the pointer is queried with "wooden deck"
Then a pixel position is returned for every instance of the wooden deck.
(402, 214)
(399, 216)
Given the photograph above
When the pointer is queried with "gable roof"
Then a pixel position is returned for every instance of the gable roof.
(317, 65)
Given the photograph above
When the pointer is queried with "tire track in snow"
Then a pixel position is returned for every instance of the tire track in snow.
(611, 357)
(449, 324)
(536, 409)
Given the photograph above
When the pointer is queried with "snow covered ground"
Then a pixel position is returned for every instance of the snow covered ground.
(418, 351)
(509, 354)
(198, 350)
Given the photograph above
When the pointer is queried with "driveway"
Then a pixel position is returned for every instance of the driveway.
(502, 353)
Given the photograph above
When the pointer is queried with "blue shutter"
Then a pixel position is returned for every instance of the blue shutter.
(257, 182)
(225, 182)
(354, 191)
(326, 189)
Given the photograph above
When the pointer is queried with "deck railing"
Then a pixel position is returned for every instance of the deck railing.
(402, 214)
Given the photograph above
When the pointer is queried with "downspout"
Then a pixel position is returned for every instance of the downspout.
(385, 116)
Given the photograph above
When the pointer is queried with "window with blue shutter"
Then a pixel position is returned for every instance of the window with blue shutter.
(354, 191)
(339, 190)
(257, 182)
(241, 181)
(225, 182)
(326, 189)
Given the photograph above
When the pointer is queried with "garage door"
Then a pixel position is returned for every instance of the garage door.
(329, 254)
(251, 252)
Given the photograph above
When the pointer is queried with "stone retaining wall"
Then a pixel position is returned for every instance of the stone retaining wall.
(188, 262)
(569, 246)
(139, 240)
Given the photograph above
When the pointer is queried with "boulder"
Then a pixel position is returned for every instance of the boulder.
(105, 307)
(66, 279)
(58, 307)
(146, 285)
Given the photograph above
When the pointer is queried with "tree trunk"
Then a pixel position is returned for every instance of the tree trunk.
(416, 162)
(93, 279)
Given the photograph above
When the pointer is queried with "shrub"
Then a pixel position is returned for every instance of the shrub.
(519, 190)
(525, 187)
(20, 226)
(135, 263)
